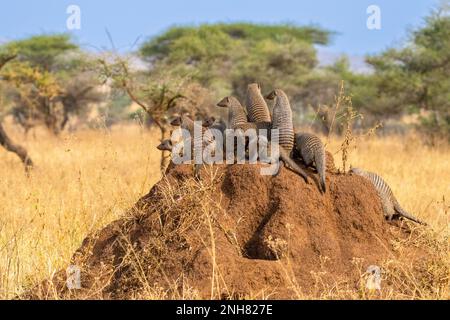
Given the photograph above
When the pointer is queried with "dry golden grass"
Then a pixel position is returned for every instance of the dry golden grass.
(81, 182)
(85, 180)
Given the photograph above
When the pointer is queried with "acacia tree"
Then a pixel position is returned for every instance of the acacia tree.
(5, 141)
(52, 79)
(226, 57)
(415, 78)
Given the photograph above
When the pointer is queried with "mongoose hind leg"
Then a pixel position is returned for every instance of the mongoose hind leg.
(290, 164)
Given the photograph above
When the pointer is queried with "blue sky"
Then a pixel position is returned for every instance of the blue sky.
(133, 19)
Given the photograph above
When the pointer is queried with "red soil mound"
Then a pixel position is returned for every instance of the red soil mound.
(235, 234)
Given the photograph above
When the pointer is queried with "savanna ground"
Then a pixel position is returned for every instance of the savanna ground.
(83, 181)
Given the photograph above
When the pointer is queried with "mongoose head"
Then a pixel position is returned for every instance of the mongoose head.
(208, 122)
(275, 93)
(166, 145)
(225, 102)
(228, 102)
(178, 121)
(254, 87)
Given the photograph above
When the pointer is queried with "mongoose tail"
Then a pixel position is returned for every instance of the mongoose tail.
(320, 166)
(284, 156)
(402, 213)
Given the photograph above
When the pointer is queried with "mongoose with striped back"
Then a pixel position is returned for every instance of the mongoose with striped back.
(283, 124)
(257, 108)
(391, 207)
(237, 119)
(312, 151)
(282, 119)
(198, 142)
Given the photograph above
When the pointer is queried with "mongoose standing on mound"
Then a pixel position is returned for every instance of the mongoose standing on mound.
(198, 142)
(391, 207)
(282, 122)
(312, 151)
(237, 118)
(167, 145)
(257, 108)
(282, 119)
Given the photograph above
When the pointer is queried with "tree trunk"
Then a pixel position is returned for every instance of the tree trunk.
(6, 142)
(165, 156)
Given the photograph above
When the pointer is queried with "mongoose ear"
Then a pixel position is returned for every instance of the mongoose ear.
(259, 86)
(271, 95)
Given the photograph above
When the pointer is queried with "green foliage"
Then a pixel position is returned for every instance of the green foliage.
(416, 77)
(49, 81)
(42, 50)
(225, 57)
(206, 41)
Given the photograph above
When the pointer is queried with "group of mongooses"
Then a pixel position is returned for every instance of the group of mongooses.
(309, 147)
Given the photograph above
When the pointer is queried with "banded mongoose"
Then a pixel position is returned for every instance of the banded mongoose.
(188, 124)
(236, 113)
(312, 151)
(391, 207)
(257, 108)
(167, 145)
(282, 122)
(198, 142)
(237, 120)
